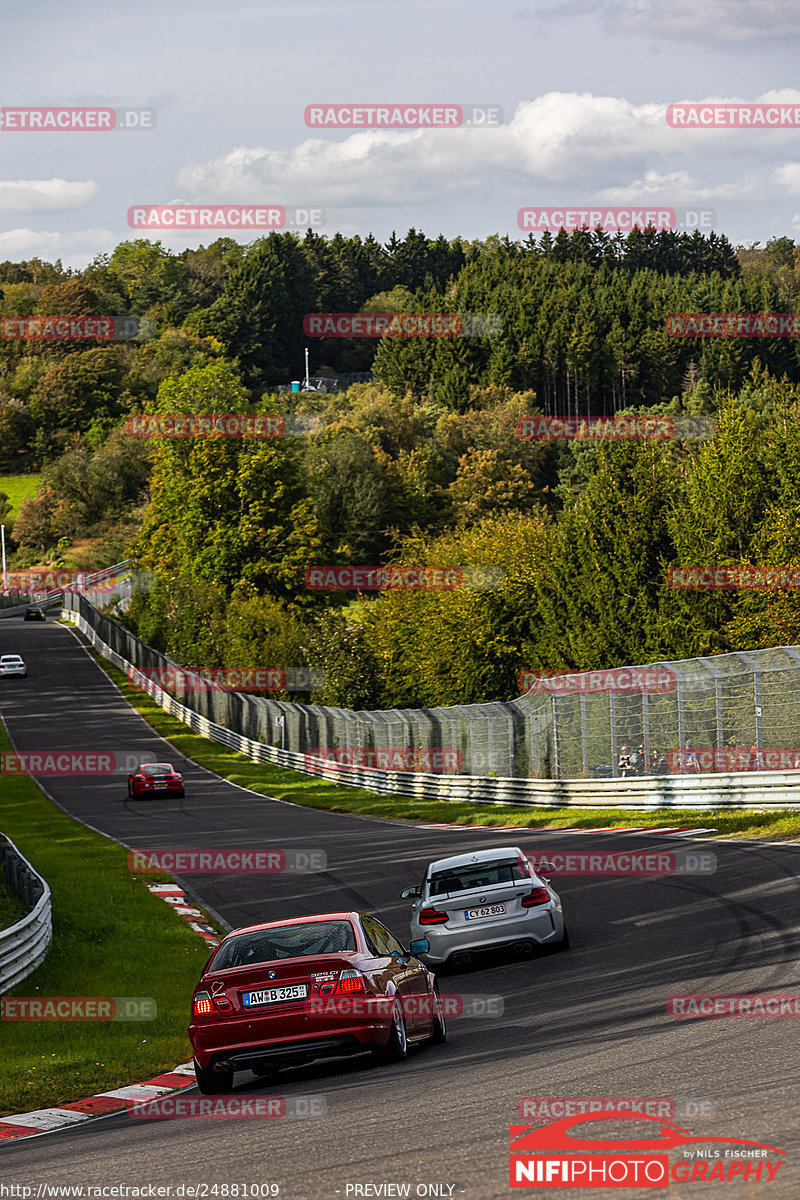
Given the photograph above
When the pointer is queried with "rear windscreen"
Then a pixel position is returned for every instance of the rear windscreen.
(156, 769)
(479, 875)
(285, 941)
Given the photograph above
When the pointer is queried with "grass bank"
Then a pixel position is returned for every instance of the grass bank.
(11, 907)
(18, 488)
(111, 938)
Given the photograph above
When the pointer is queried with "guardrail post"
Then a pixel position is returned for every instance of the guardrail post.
(755, 667)
(584, 735)
(556, 739)
(681, 720)
(612, 719)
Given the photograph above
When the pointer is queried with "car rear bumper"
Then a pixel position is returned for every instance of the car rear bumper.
(214, 1046)
(174, 790)
(541, 925)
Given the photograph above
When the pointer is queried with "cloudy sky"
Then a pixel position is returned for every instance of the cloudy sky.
(583, 86)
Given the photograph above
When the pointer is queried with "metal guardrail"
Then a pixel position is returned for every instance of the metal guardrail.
(768, 790)
(23, 946)
(48, 599)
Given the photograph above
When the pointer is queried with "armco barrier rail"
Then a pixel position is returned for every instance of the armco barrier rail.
(13, 604)
(23, 946)
(763, 790)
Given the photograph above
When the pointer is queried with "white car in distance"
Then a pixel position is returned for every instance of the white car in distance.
(12, 664)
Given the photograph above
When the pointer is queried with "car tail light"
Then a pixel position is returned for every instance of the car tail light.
(350, 981)
(539, 895)
(432, 916)
(202, 1004)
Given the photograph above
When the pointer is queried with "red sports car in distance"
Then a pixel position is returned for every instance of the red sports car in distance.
(150, 778)
(289, 992)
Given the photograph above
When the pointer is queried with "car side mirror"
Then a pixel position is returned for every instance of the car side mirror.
(419, 946)
(409, 893)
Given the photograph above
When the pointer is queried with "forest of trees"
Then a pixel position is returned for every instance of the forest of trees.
(423, 465)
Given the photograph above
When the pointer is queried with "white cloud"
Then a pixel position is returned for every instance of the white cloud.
(45, 195)
(74, 249)
(668, 187)
(702, 21)
(719, 20)
(788, 178)
(570, 146)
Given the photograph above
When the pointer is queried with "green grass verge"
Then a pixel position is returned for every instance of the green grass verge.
(18, 488)
(11, 907)
(316, 793)
(111, 937)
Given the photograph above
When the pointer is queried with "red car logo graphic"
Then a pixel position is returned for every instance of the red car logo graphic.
(556, 1136)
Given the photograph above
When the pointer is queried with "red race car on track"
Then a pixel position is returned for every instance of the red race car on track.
(150, 778)
(325, 986)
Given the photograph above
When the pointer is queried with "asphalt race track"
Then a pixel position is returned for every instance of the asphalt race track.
(590, 1022)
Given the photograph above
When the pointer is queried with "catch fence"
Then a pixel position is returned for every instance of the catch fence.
(567, 727)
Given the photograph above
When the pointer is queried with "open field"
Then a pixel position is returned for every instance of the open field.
(18, 488)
